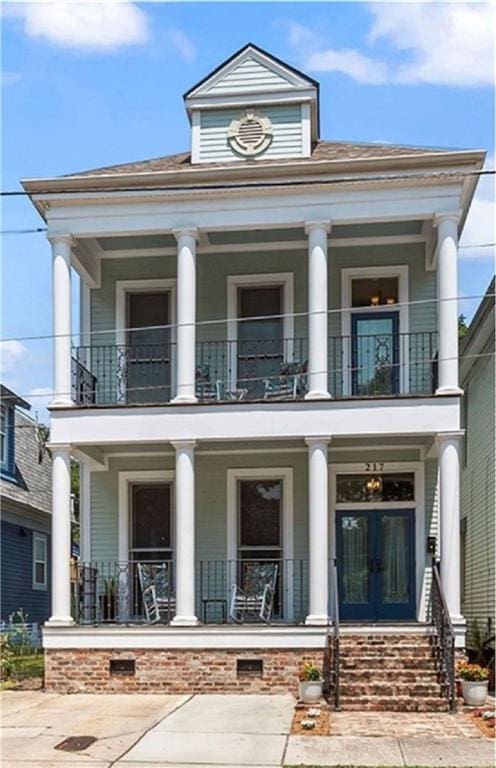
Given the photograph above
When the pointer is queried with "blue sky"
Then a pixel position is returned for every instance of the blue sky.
(102, 83)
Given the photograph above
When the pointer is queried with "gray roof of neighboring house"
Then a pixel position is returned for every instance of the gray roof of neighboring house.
(33, 468)
(479, 331)
(322, 151)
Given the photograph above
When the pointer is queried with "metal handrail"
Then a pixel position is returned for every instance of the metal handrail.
(335, 639)
(445, 634)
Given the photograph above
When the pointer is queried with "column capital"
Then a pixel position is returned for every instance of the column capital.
(439, 218)
(446, 437)
(178, 444)
(186, 232)
(58, 447)
(57, 239)
(324, 225)
(312, 441)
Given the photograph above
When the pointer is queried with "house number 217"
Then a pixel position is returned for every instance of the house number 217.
(374, 466)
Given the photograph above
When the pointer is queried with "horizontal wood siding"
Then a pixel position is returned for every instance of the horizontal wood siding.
(17, 574)
(478, 493)
(287, 139)
(250, 75)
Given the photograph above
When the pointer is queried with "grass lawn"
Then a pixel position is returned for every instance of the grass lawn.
(25, 668)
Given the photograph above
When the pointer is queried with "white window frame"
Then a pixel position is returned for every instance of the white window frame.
(285, 475)
(43, 539)
(126, 479)
(122, 288)
(282, 279)
(349, 274)
(418, 504)
(4, 432)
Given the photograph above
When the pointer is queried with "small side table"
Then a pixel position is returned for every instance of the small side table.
(206, 601)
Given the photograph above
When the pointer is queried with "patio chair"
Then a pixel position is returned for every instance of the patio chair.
(206, 390)
(156, 591)
(256, 597)
(290, 384)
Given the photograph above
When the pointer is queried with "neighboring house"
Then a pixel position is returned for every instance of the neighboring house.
(264, 394)
(478, 470)
(26, 505)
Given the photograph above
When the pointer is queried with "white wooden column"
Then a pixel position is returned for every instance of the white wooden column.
(449, 507)
(61, 535)
(318, 533)
(62, 328)
(186, 314)
(318, 386)
(447, 306)
(185, 533)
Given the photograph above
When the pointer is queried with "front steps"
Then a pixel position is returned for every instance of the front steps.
(398, 672)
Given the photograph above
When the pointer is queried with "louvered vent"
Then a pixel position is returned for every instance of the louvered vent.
(250, 134)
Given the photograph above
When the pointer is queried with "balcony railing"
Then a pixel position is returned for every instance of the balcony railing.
(106, 592)
(381, 365)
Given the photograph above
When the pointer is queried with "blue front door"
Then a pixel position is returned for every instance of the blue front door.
(376, 564)
(375, 354)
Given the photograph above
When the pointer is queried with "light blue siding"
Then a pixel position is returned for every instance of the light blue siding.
(250, 75)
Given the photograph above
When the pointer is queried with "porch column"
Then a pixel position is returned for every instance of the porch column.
(449, 504)
(318, 512)
(61, 535)
(62, 328)
(186, 314)
(447, 307)
(318, 386)
(185, 533)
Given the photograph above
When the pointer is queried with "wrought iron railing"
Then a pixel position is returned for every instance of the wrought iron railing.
(257, 369)
(334, 639)
(445, 636)
(105, 592)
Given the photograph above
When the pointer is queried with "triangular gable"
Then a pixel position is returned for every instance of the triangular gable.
(251, 70)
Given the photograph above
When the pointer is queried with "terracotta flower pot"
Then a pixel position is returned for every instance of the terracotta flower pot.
(474, 692)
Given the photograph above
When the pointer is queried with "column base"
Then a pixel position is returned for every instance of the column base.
(449, 391)
(317, 620)
(316, 395)
(59, 621)
(460, 629)
(185, 621)
(184, 399)
(61, 402)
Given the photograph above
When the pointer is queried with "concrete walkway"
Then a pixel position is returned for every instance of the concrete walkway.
(150, 731)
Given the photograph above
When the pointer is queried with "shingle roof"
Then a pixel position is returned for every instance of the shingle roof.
(33, 478)
(322, 151)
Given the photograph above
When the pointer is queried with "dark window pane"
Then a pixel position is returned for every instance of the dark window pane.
(39, 573)
(151, 513)
(375, 487)
(260, 504)
(144, 310)
(370, 292)
(254, 302)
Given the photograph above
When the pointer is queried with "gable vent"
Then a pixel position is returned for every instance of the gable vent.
(250, 134)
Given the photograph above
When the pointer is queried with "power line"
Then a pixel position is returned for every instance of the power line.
(199, 187)
(224, 320)
(401, 364)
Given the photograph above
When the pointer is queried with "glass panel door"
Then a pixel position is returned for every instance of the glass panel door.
(354, 544)
(260, 530)
(375, 353)
(260, 337)
(395, 564)
(148, 351)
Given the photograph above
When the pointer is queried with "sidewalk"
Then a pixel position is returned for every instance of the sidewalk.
(149, 731)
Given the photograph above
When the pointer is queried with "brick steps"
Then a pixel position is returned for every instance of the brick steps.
(398, 673)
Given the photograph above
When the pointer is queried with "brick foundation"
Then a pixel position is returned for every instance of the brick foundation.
(175, 671)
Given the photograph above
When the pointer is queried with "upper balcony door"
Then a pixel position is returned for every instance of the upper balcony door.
(148, 347)
(260, 347)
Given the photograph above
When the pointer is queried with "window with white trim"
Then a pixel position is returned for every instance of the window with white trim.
(40, 561)
(3, 435)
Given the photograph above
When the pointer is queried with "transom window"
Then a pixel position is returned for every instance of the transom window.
(40, 556)
(380, 487)
(374, 292)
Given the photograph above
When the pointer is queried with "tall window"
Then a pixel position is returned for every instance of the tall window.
(3, 435)
(40, 564)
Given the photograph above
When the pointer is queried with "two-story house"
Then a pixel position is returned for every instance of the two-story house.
(26, 505)
(264, 399)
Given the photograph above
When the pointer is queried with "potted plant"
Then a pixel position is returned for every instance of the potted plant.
(310, 683)
(474, 682)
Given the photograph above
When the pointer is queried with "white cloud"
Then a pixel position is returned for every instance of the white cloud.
(10, 78)
(11, 353)
(182, 44)
(86, 26)
(480, 226)
(439, 43)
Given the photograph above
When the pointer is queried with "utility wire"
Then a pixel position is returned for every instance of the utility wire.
(333, 371)
(199, 187)
(198, 323)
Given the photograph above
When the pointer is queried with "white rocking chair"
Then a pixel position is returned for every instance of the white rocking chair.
(256, 597)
